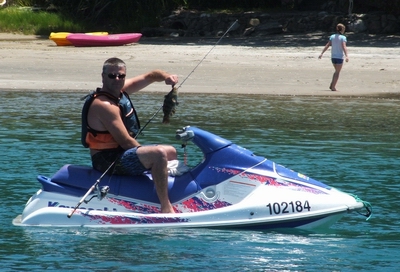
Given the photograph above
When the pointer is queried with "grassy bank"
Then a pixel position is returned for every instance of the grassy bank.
(31, 22)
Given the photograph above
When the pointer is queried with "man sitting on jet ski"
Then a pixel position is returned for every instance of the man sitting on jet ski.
(110, 126)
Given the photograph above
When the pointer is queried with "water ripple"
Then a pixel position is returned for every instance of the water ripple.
(349, 143)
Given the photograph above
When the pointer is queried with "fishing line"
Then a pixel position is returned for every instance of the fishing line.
(226, 32)
(154, 115)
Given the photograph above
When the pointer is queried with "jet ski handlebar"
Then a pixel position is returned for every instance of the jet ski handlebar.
(205, 140)
(184, 135)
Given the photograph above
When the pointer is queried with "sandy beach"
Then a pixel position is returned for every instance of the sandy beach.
(276, 65)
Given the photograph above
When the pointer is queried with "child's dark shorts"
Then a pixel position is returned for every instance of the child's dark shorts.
(337, 61)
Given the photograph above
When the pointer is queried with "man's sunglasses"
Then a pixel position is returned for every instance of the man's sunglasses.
(114, 76)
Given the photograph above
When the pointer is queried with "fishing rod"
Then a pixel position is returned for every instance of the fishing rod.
(103, 192)
(145, 125)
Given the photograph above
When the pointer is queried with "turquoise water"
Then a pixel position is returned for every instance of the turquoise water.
(349, 143)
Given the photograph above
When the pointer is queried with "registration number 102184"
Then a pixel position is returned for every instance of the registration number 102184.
(288, 207)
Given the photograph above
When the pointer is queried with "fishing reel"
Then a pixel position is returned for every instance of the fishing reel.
(101, 193)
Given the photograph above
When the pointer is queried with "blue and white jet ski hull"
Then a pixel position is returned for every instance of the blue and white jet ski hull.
(230, 188)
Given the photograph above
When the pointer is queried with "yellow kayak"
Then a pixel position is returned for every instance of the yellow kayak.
(60, 38)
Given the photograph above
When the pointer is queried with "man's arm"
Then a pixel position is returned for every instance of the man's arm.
(139, 82)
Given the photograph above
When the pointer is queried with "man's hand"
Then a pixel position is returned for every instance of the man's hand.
(171, 80)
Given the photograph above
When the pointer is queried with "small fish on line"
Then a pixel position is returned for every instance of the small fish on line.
(169, 105)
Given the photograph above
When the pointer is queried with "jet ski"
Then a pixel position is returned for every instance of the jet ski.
(230, 187)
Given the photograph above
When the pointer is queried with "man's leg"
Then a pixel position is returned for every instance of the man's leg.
(156, 158)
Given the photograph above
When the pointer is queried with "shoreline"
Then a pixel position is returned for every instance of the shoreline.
(383, 96)
(280, 65)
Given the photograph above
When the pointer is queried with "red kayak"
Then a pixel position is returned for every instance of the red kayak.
(107, 40)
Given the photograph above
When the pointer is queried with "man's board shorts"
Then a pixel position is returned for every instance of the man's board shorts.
(127, 162)
(337, 61)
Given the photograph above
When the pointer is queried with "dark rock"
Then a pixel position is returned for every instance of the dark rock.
(192, 23)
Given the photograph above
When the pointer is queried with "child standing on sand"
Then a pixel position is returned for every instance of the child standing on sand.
(338, 42)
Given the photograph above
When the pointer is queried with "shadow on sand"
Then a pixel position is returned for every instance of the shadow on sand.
(281, 40)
